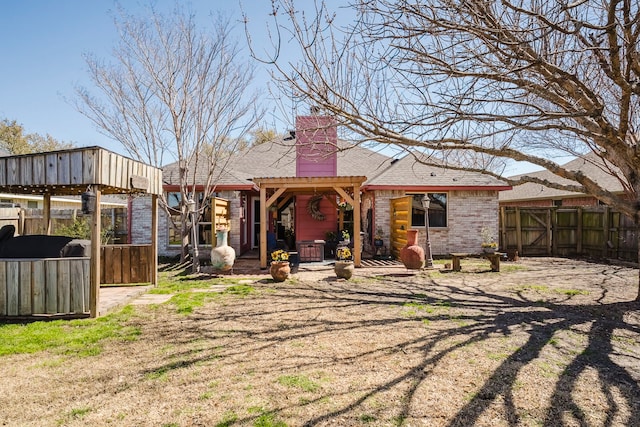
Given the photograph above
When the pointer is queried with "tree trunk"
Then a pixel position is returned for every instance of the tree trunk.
(184, 238)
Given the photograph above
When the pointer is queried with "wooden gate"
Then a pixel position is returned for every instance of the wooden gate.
(400, 223)
(123, 264)
(597, 232)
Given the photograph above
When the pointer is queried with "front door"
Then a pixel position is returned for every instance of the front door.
(255, 222)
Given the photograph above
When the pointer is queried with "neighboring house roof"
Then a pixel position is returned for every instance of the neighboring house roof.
(278, 159)
(590, 165)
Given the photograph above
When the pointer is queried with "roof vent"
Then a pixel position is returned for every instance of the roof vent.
(433, 174)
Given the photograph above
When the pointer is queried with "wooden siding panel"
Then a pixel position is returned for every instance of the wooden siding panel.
(3, 171)
(26, 170)
(51, 169)
(13, 171)
(64, 287)
(24, 285)
(89, 167)
(39, 170)
(3, 289)
(77, 287)
(51, 290)
(38, 284)
(76, 168)
(64, 169)
(308, 228)
(13, 288)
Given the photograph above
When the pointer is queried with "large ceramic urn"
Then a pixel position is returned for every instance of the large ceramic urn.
(412, 254)
(223, 255)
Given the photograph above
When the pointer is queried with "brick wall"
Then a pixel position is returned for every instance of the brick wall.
(141, 220)
(467, 213)
(141, 225)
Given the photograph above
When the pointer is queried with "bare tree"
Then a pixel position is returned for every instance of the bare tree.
(477, 81)
(174, 93)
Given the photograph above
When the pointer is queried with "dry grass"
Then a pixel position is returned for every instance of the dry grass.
(552, 343)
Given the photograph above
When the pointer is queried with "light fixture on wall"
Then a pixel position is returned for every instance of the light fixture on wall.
(88, 199)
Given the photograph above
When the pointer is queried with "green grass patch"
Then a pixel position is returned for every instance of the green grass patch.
(268, 420)
(242, 290)
(544, 289)
(228, 420)
(572, 292)
(412, 308)
(81, 337)
(299, 381)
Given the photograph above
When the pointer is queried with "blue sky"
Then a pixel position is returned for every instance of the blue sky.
(42, 46)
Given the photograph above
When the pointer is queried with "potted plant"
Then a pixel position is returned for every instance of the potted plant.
(344, 264)
(280, 268)
(346, 237)
(344, 206)
(377, 239)
(488, 245)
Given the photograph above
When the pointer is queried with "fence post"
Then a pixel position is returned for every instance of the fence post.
(553, 228)
(21, 222)
(519, 232)
(605, 231)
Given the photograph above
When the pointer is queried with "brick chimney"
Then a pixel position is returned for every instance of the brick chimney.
(316, 146)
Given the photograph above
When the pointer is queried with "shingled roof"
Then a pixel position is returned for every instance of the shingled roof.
(409, 172)
(278, 159)
(591, 165)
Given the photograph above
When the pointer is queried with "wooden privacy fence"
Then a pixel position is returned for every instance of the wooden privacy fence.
(597, 232)
(44, 286)
(122, 264)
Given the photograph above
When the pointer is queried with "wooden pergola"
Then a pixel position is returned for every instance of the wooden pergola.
(72, 172)
(271, 189)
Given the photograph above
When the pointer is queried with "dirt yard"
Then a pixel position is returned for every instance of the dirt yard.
(546, 342)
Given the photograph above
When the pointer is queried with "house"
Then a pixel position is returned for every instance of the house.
(537, 195)
(306, 183)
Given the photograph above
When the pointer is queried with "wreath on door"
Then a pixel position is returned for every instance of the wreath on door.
(313, 207)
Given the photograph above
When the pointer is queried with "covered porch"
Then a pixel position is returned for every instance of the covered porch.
(278, 192)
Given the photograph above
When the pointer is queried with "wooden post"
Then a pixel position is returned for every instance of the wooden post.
(579, 231)
(263, 227)
(94, 280)
(21, 222)
(519, 232)
(605, 231)
(357, 253)
(153, 265)
(502, 240)
(550, 228)
(46, 213)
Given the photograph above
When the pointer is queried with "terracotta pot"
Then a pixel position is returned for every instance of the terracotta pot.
(280, 270)
(344, 269)
(412, 254)
(222, 256)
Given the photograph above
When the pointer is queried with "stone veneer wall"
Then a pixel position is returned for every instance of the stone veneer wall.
(141, 225)
(468, 212)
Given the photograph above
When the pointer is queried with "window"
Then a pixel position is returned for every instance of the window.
(31, 204)
(437, 210)
(205, 234)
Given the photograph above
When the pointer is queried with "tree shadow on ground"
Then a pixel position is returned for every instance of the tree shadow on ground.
(493, 313)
